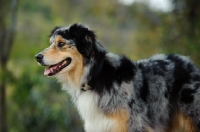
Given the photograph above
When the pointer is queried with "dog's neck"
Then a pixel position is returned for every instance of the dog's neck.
(87, 80)
(94, 76)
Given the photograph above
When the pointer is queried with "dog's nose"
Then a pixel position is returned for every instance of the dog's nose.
(39, 57)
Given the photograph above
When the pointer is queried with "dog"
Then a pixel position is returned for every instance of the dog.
(114, 94)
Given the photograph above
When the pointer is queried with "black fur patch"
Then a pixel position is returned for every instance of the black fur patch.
(144, 90)
(65, 34)
(106, 78)
(197, 86)
(196, 77)
(111, 74)
(181, 75)
(122, 74)
(198, 125)
(187, 95)
(84, 39)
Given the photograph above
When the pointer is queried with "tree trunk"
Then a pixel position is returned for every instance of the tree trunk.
(6, 42)
(2, 102)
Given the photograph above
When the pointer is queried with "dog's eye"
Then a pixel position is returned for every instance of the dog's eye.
(61, 44)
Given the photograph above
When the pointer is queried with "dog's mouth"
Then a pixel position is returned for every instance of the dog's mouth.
(54, 69)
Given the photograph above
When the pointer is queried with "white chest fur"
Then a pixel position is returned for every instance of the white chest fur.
(95, 120)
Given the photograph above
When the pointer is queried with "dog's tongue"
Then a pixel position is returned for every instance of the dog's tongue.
(47, 71)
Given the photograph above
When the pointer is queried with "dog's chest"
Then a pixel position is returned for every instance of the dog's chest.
(95, 120)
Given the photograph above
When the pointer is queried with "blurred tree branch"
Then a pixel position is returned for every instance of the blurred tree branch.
(7, 33)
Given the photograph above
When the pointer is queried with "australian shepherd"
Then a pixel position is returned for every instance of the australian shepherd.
(114, 94)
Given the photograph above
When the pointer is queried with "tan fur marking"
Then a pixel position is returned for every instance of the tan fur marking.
(148, 129)
(76, 72)
(181, 123)
(59, 39)
(121, 117)
(51, 51)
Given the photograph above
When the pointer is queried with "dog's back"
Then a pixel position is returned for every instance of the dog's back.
(170, 92)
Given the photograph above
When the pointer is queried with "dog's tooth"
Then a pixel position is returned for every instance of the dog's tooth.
(51, 70)
(64, 62)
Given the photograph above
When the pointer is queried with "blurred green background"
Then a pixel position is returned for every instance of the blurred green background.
(31, 102)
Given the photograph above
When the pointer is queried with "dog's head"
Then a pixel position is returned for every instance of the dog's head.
(71, 49)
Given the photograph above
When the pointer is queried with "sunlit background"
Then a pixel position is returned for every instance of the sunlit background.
(32, 102)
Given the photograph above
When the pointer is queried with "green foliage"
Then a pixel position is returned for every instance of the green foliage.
(38, 105)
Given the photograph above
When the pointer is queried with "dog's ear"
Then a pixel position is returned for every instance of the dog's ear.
(84, 39)
(55, 28)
